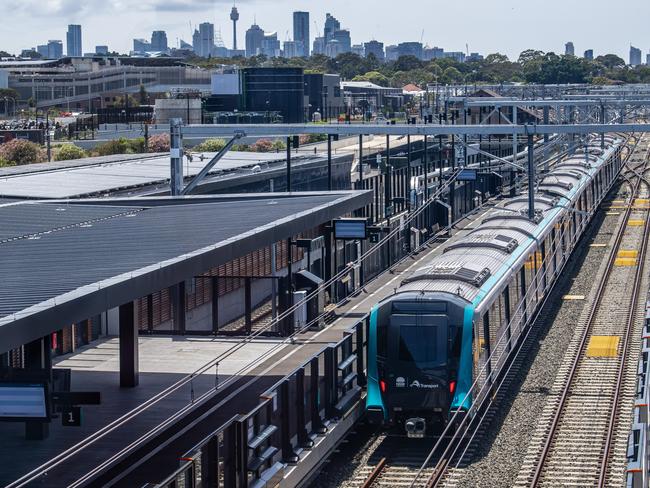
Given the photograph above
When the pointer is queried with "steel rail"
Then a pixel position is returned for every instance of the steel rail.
(638, 276)
(585, 337)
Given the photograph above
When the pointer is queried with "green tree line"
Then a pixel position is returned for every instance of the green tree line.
(531, 67)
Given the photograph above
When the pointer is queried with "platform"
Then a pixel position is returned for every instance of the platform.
(164, 360)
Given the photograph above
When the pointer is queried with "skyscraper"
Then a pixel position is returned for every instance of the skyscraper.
(206, 40)
(410, 49)
(301, 31)
(141, 45)
(342, 36)
(73, 40)
(254, 39)
(54, 49)
(234, 16)
(270, 45)
(159, 41)
(589, 54)
(101, 50)
(331, 26)
(569, 50)
(375, 48)
(635, 56)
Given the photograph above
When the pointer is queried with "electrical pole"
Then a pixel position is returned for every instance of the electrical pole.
(176, 155)
(531, 177)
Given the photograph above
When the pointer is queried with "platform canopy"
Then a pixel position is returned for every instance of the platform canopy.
(65, 261)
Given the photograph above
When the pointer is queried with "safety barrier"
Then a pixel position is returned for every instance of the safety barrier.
(638, 444)
(256, 449)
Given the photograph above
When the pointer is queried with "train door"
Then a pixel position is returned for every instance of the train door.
(418, 364)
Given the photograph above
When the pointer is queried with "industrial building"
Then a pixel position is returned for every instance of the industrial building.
(87, 83)
(270, 92)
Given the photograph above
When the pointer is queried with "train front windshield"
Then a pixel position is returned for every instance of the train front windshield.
(425, 346)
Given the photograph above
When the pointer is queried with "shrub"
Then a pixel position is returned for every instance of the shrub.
(4, 163)
(279, 145)
(19, 151)
(263, 145)
(118, 146)
(135, 146)
(211, 145)
(159, 143)
(66, 152)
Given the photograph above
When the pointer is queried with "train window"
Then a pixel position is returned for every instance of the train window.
(423, 345)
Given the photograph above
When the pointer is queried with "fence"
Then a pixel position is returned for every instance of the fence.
(256, 448)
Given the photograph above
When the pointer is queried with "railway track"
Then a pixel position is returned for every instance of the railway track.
(394, 463)
(582, 434)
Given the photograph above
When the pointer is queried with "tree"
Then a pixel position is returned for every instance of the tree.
(610, 61)
(348, 65)
(530, 55)
(407, 63)
(5, 54)
(373, 77)
(144, 97)
(452, 75)
(9, 93)
(496, 58)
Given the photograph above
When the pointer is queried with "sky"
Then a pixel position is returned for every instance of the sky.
(505, 26)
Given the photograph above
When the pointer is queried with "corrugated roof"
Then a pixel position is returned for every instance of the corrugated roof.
(99, 178)
(56, 253)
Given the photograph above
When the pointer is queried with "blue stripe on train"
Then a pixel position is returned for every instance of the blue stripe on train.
(373, 398)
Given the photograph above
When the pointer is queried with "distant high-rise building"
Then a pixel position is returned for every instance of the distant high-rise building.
(234, 16)
(569, 50)
(42, 50)
(196, 41)
(589, 54)
(159, 41)
(342, 36)
(331, 26)
(359, 50)
(73, 40)
(292, 49)
(101, 50)
(206, 40)
(254, 39)
(333, 48)
(410, 49)
(375, 48)
(647, 59)
(319, 45)
(186, 45)
(392, 53)
(54, 49)
(270, 45)
(433, 53)
(301, 31)
(474, 57)
(635, 56)
(141, 46)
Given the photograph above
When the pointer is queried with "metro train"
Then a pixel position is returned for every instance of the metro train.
(455, 320)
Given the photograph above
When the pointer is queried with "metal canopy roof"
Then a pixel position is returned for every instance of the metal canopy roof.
(62, 262)
(99, 178)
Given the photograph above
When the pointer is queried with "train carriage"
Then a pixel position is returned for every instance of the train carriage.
(455, 320)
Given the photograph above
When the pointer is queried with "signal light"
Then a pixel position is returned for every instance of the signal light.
(382, 386)
(452, 386)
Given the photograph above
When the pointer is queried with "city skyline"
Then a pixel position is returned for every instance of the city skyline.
(175, 19)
